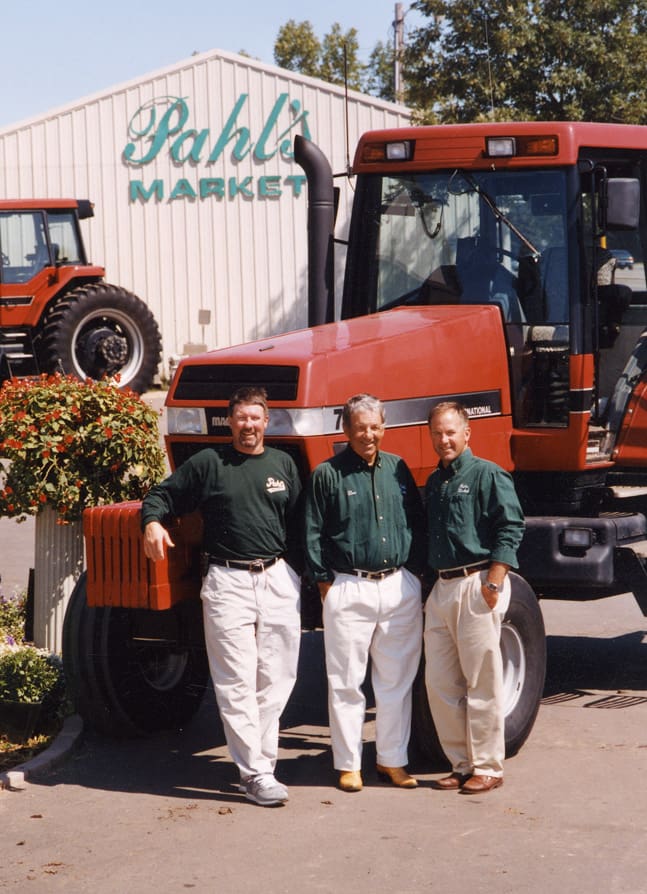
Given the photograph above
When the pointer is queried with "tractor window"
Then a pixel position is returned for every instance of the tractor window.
(469, 238)
(475, 237)
(23, 245)
(64, 239)
(25, 249)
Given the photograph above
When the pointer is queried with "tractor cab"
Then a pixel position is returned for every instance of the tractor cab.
(538, 221)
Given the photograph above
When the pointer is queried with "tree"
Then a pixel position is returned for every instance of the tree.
(538, 59)
(335, 59)
(297, 48)
(339, 61)
(379, 77)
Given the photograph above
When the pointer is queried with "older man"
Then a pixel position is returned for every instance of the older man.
(364, 546)
(475, 525)
(248, 496)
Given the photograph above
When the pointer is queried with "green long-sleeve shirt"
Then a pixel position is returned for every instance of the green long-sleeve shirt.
(248, 501)
(473, 514)
(361, 516)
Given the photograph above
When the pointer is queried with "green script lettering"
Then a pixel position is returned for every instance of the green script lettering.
(241, 147)
(199, 139)
(285, 147)
(164, 131)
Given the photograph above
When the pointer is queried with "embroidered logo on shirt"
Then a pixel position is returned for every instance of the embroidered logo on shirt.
(351, 493)
(274, 485)
(463, 488)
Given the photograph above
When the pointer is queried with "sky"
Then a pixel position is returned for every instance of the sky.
(55, 54)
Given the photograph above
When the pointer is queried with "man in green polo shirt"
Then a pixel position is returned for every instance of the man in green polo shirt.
(248, 495)
(364, 547)
(475, 525)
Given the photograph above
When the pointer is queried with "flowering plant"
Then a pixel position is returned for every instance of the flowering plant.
(28, 674)
(70, 444)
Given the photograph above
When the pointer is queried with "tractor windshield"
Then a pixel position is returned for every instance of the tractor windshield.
(466, 237)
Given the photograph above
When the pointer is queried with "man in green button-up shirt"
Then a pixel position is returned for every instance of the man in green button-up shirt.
(364, 548)
(475, 524)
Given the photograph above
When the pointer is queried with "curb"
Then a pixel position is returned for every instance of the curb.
(46, 760)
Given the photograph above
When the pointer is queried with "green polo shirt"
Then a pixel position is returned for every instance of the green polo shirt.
(248, 501)
(361, 516)
(473, 514)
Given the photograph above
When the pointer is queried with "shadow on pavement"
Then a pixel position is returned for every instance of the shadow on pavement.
(194, 762)
(596, 663)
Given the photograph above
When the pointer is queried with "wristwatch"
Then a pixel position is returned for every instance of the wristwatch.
(494, 587)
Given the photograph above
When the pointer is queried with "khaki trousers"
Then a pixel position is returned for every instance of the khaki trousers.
(252, 628)
(383, 619)
(464, 673)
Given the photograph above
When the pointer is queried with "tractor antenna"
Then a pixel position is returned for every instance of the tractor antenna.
(489, 66)
(346, 111)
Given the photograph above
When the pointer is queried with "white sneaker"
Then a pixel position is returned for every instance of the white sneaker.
(265, 790)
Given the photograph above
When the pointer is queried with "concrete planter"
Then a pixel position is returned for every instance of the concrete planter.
(58, 563)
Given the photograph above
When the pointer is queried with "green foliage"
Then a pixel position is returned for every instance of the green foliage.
(28, 674)
(339, 62)
(379, 78)
(12, 618)
(539, 59)
(297, 48)
(71, 444)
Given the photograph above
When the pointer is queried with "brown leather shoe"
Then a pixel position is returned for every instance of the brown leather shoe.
(397, 775)
(350, 781)
(478, 785)
(450, 783)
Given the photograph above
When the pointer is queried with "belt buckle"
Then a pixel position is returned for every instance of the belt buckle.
(257, 566)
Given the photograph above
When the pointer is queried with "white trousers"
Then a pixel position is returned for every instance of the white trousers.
(252, 630)
(382, 619)
(464, 673)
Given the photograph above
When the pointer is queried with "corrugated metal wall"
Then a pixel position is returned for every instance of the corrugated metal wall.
(241, 257)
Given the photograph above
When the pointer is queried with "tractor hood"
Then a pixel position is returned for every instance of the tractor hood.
(421, 352)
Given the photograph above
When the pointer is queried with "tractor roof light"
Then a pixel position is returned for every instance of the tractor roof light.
(402, 151)
(509, 147)
(378, 153)
(501, 147)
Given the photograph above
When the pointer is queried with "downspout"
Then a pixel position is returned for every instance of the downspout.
(321, 225)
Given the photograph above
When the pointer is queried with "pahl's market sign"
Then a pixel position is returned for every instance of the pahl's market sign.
(161, 125)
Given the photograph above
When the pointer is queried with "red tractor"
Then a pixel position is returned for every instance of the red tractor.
(56, 311)
(479, 268)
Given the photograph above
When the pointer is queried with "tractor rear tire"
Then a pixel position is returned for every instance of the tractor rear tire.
(101, 330)
(130, 671)
(523, 648)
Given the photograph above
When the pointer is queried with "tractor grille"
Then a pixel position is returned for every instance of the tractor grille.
(213, 382)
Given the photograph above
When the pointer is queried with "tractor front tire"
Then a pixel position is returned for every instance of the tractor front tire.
(523, 649)
(99, 330)
(130, 671)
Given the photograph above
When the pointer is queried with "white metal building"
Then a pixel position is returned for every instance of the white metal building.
(200, 208)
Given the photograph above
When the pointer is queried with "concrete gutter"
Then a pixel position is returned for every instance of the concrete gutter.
(46, 760)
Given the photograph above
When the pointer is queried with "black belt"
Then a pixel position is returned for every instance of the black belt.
(463, 571)
(253, 565)
(373, 575)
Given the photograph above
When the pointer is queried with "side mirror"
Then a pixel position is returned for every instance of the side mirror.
(623, 203)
